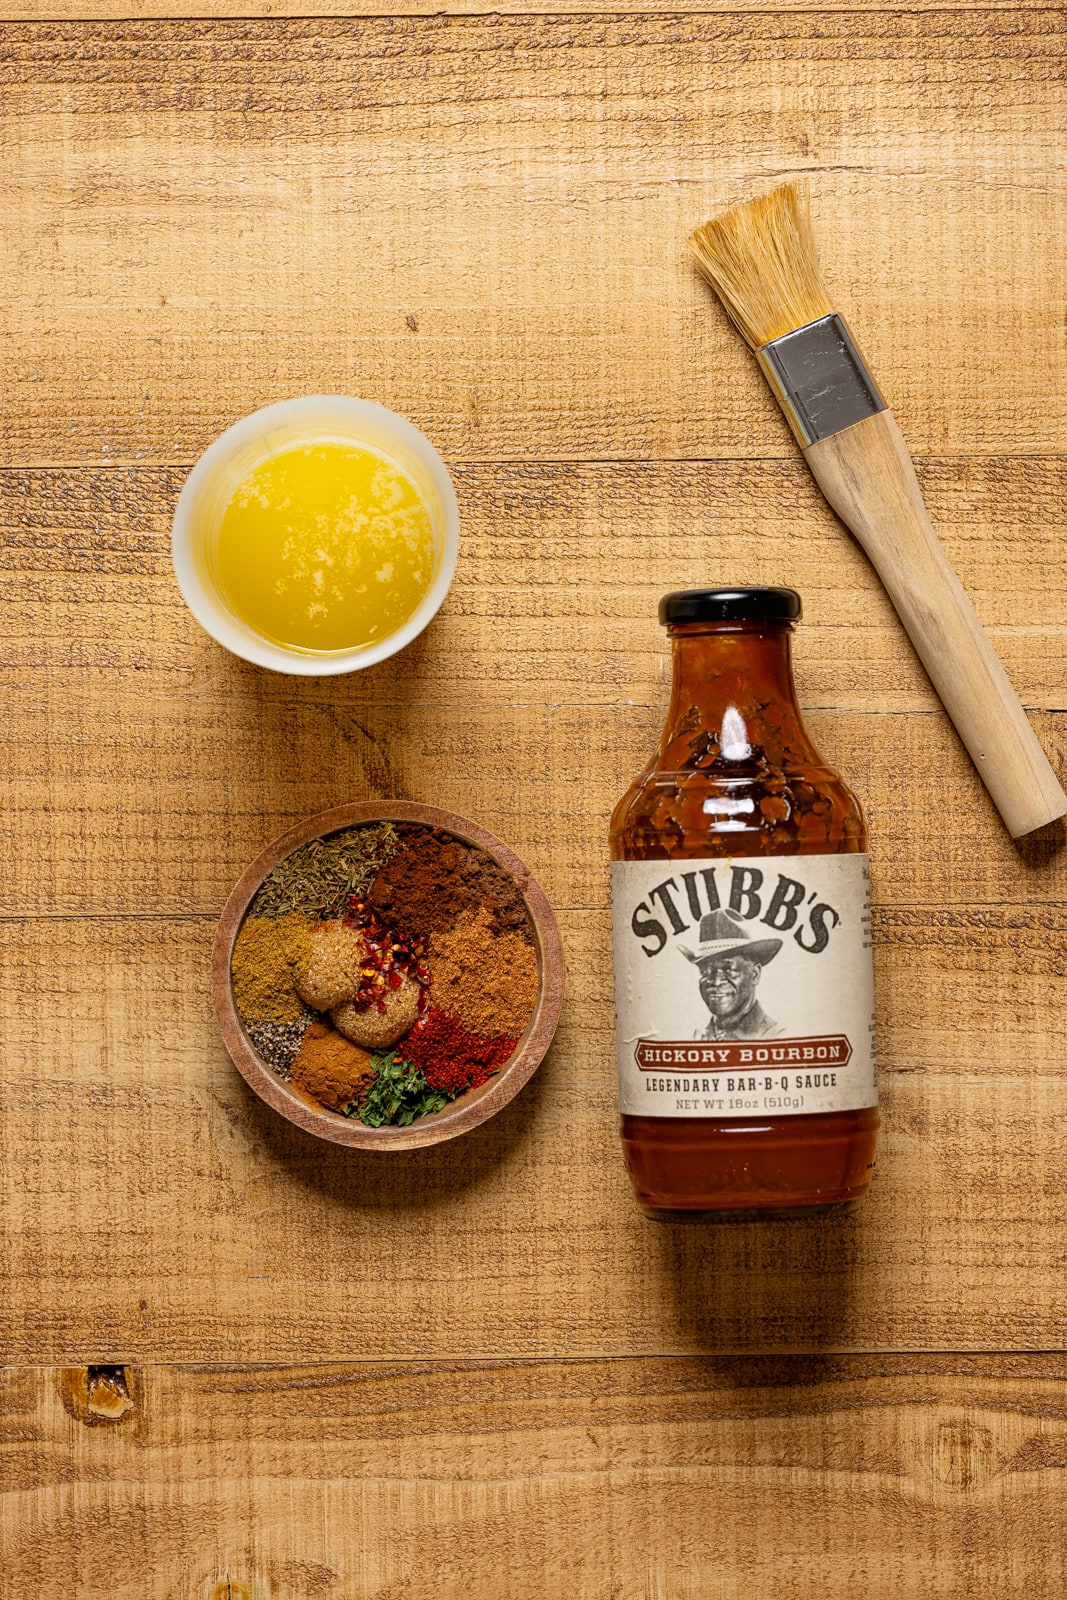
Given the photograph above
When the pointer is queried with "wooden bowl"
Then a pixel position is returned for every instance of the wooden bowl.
(470, 1109)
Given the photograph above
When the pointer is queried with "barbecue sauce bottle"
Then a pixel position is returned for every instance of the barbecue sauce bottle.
(740, 909)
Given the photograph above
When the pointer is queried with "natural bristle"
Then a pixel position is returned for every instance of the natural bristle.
(760, 260)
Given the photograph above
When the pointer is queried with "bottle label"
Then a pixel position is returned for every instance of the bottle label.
(743, 987)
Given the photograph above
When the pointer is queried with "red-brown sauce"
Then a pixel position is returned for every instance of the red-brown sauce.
(696, 1168)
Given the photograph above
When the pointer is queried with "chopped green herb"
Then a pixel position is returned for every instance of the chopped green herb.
(318, 879)
(398, 1094)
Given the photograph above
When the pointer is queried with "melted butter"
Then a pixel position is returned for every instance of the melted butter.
(325, 546)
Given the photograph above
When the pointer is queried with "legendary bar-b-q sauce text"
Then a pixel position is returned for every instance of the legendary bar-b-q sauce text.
(740, 907)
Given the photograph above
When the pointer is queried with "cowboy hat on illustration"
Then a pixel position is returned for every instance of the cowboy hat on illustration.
(731, 963)
(722, 935)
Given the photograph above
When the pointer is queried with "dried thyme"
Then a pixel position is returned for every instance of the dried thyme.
(318, 879)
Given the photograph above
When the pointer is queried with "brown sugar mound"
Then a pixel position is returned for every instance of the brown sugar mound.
(330, 1069)
(336, 952)
(488, 982)
(377, 1029)
(434, 877)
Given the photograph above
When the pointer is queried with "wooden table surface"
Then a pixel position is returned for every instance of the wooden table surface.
(241, 1365)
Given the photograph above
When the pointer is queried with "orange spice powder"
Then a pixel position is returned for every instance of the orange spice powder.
(331, 1070)
(487, 980)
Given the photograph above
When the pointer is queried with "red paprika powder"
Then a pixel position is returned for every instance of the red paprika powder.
(450, 1058)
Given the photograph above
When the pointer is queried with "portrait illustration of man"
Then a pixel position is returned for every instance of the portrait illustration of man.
(730, 964)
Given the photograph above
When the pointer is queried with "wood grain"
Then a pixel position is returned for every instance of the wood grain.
(81, 11)
(205, 217)
(480, 220)
(138, 774)
(162, 1212)
(805, 1479)
(561, 568)
(88, 836)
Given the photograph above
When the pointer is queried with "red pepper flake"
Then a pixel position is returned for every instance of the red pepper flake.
(450, 1058)
(390, 959)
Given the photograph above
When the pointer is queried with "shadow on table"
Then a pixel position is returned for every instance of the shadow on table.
(1039, 849)
(372, 1179)
(787, 1286)
(327, 741)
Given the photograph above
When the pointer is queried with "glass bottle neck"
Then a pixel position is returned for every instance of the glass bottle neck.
(733, 702)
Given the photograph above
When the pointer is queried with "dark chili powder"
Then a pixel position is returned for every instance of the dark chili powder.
(449, 1057)
(433, 877)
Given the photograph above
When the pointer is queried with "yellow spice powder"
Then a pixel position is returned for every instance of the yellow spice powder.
(268, 956)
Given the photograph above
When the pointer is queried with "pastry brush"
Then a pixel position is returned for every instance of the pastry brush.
(760, 259)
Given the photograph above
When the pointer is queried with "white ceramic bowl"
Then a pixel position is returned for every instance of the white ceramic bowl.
(210, 487)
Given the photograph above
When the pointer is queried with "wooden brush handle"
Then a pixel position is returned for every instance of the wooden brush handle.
(866, 474)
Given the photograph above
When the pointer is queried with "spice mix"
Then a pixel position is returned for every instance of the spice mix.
(386, 969)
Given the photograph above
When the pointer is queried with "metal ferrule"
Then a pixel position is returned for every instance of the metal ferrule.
(820, 379)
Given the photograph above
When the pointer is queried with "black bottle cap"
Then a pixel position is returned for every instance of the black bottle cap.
(729, 605)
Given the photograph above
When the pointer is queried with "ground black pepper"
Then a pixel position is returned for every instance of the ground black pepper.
(278, 1042)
